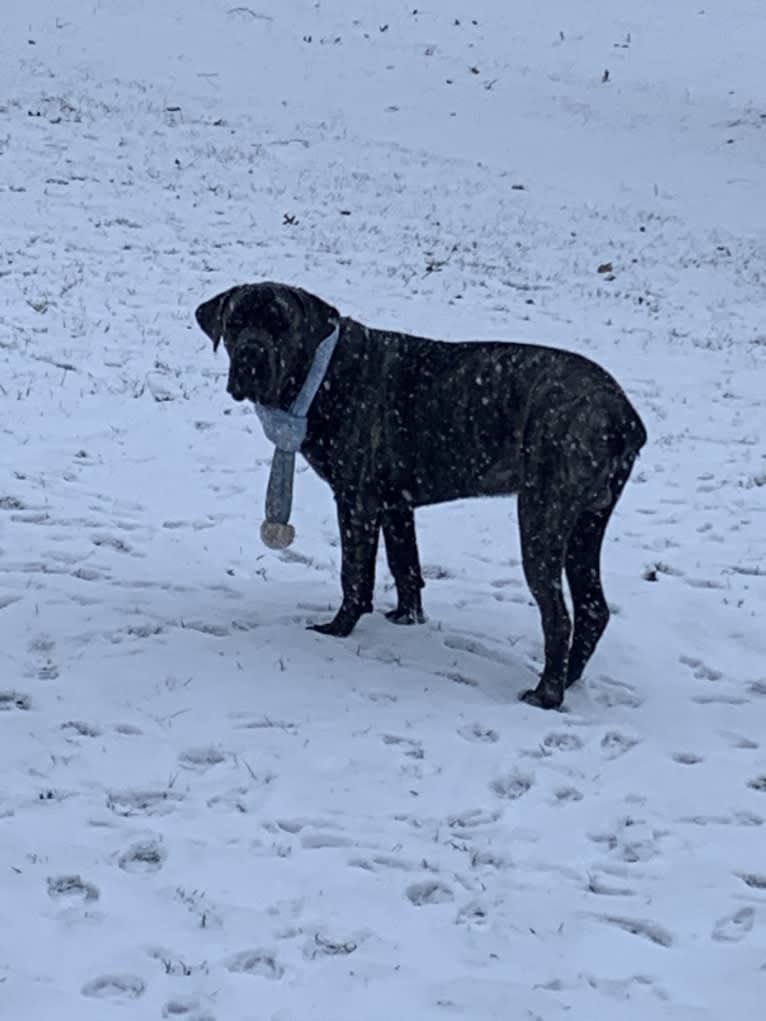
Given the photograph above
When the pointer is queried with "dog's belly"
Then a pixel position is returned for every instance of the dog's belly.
(460, 482)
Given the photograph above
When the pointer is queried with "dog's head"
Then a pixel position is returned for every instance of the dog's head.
(270, 332)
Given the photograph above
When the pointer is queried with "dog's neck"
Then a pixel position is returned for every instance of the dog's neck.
(287, 429)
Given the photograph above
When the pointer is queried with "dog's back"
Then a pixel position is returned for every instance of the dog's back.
(462, 419)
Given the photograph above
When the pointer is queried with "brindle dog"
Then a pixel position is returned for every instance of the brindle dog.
(401, 422)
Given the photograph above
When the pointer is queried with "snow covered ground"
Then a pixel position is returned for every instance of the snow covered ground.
(208, 812)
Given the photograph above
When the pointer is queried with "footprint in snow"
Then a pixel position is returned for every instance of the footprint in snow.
(631, 841)
(128, 729)
(687, 758)
(755, 880)
(431, 891)
(435, 572)
(606, 888)
(517, 597)
(144, 856)
(41, 646)
(567, 795)
(610, 693)
(736, 819)
(733, 928)
(90, 574)
(505, 582)
(240, 799)
(12, 503)
(113, 542)
(476, 732)
(625, 989)
(740, 742)
(562, 742)
(640, 927)
(321, 945)
(185, 1008)
(241, 624)
(263, 723)
(259, 963)
(475, 648)
(72, 886)
(81, 729)
(614, 744)
(188, 1008)
(410, 746)
(472, 818)
(385, 861)
(146, 802)
(214, 630)
(14, 700)
(380, 696)
(300, 823)
(475, 914)
(148, 630)
(317, 840)
(482, 858)
(120, 988)
(719, 699)
(512, 785)
(700, 670)
(201, 758)
(457, 678)
(758, 783)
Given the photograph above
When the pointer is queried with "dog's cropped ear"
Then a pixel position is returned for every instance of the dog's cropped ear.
(209, 316)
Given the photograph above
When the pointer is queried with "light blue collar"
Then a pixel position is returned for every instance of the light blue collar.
(287, 429)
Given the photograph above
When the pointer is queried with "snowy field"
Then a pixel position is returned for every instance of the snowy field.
(208, 812)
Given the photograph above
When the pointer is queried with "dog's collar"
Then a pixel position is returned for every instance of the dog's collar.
(287, 429)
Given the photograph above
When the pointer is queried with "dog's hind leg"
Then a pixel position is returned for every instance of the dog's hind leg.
(547, 511)
(583, 571)
(404, 564)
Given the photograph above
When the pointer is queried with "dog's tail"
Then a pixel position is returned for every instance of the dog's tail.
(625, 435)
(627, 444)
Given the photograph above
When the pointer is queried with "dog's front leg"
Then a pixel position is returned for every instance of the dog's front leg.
(359, 521)
(404, 564)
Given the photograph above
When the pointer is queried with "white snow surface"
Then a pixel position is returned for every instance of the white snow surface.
(208, 812)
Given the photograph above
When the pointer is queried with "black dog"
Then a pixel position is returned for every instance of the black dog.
(401, 421)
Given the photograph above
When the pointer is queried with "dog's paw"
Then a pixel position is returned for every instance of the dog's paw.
(344, 621)
(333, 628)
(543, 697)
(406, 617)
(341, 626)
